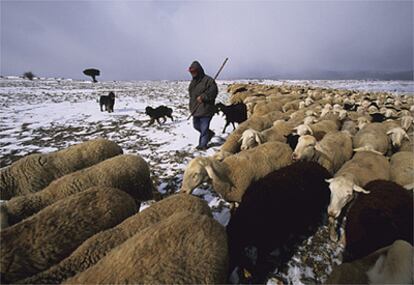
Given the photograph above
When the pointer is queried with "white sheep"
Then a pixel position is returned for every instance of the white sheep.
(397, 135)
(406, 122)
(389, 265)
(318, 129)
(232, 176)
(350, 127)
(372, 137)
(362, 121)
(365, 166)
(251, 138)
(331, 152)
(402, 169)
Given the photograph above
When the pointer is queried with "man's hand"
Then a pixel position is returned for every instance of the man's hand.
(199, 99)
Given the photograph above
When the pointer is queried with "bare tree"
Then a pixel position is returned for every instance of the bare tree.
(92, 72)
(29, 75)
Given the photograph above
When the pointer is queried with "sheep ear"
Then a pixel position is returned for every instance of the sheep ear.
(389, 132)
(407, 137)
(259, 138)
(329, 180)
(215, 170)
(360, 189)
(309, 129)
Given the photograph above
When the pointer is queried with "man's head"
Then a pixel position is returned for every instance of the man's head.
(196, 70)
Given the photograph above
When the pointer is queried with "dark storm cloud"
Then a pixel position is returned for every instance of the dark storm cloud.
(159, 39)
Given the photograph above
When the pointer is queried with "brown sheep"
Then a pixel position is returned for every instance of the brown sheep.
(34, 172)
(263, 108)
(185, 248)
(46, 238)
(99, 245)
(408, 145)
(232, 176)
(402, 169)
(258, 123)
(377, 219)
(129, 173)
(389, 265)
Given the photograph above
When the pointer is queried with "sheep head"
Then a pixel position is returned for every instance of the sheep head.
(309, 120)
(305, 149)
(303, 129)
(397, 135)
(362, 121)
(342, 189)
(250, 138)
(204, 169)
(194, 175)
(308, 101)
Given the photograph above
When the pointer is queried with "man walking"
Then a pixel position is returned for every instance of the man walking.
(203, 92)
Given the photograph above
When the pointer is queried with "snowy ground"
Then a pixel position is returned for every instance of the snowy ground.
(49, 114)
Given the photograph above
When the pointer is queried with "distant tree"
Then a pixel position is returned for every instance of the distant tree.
(92, 72)
(29, 75)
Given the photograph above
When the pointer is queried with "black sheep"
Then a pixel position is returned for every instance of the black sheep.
(236, 113)
(350, 107)
(277, 211)
(377, 117)
(292, 140)
(378, 219)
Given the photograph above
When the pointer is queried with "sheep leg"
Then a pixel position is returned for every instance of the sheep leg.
(159, 122)
(234, 127)
(171, 117)
(225, 126)
(101, 107)
(151, 122)
(333, 235)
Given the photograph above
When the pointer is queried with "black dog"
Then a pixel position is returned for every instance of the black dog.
(108, 102)
(159, 112)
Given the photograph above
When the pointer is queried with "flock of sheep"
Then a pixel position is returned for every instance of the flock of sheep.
(72, 216)
(304, 157)
(361, 145)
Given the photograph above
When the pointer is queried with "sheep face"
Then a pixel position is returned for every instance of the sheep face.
(397, 135)
(305, 148)
(372, 109)
(389, 113)
(195, 174)
(250, 138)
(342, 114)
(309, 120)
(341, 194)
(205, 169)
(362, 121)
(325, 112)
(303, 129)
(308, 101)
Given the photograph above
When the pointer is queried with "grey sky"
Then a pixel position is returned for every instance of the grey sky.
(159, 39)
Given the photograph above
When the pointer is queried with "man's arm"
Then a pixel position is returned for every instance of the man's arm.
(211, 92)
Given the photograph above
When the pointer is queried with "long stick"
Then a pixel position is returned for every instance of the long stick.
(215, 77)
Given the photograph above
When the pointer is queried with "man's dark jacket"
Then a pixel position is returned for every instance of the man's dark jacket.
(204, 86)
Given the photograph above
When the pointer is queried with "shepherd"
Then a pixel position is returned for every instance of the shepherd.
(203, 92)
